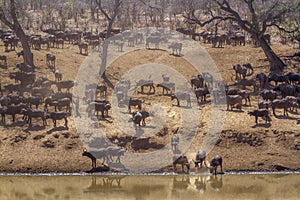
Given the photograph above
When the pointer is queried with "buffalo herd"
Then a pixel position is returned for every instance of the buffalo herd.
(275, 90)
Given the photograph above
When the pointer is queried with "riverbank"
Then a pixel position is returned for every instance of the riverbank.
(247, 152)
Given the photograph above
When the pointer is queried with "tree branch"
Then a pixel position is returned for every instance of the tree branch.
(116, 9)
(197, 21)
(272, 18)
(283, 29)
(233, 16)
(192, 18)
(269, 15)
(99, 3)
(244, 24)
(13, 12)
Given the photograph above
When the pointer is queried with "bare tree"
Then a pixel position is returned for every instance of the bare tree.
(135, 12)
(155, 9)
(47, 16)
(110, 18)
(93, 8)
(10, 19)
(253, 16)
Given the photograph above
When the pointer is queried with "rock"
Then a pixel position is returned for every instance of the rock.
(19, 138)
(38, 137)
(280, 167)
(75, 137)
(71, 145)
(66, 135)
(297, 146)
(260, 164)
(99, 169)
(48, 144)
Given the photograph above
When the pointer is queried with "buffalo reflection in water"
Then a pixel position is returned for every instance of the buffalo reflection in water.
(106, 184)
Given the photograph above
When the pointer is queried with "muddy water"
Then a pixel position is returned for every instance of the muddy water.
(88, 187)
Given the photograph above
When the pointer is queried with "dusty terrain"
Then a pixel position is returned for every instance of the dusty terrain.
(242, 145)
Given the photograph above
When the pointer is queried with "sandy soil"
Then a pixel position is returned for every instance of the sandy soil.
(242, 144)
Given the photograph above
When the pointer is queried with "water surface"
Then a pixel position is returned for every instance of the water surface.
(122, 186)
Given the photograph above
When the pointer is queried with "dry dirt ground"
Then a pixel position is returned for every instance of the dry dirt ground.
(242, 145)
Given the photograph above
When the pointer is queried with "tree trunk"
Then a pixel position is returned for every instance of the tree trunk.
(110, 21)
(276, 64)
(104, 59)
(16, 27)
(28, 56)
(97, 15)
(105, 48)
